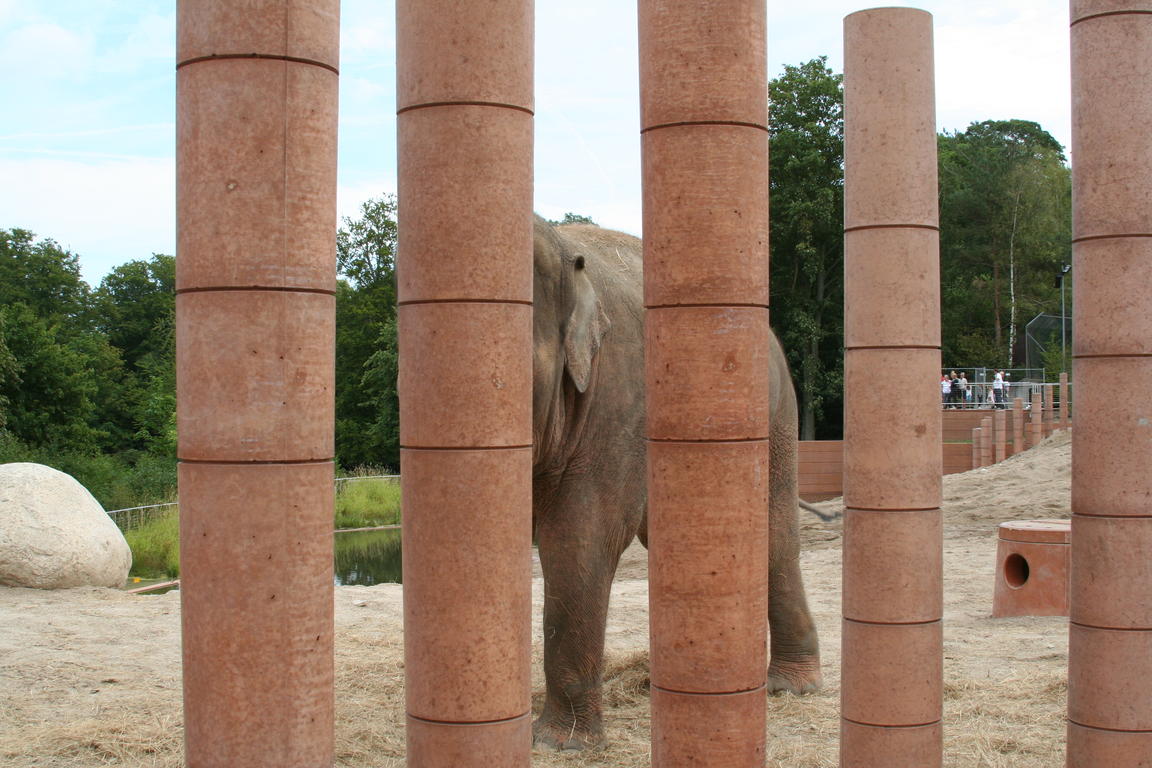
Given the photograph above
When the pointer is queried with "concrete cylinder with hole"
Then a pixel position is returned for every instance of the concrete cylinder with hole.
(1031, 569)
(704, 135)
(255, 317)
(1110, 632)
(892, 688)
(464, 266)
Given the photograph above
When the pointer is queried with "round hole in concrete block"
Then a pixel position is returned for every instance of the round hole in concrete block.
(1015, 570)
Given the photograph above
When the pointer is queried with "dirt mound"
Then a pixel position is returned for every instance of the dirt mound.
(92, 676)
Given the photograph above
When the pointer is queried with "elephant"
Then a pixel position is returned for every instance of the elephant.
(589, 476)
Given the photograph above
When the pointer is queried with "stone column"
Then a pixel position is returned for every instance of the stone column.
(891, 700)
(464, 126)
(704, 118)
(1036, 420)
(976, 442)
(255, 318)
(1000, 420)
(1018, 426)
(1110, 635)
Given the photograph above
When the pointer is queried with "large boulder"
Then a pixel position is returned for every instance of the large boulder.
(54, 534)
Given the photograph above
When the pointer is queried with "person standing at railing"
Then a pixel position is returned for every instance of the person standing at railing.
(954, 393)
(965, 392)
(998, 390)
(945, 390)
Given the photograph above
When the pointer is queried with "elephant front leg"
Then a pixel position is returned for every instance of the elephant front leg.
(577, 585)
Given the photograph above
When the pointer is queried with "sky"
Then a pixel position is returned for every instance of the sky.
(87, 105)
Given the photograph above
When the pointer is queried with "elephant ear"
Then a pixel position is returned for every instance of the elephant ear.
(586, 326)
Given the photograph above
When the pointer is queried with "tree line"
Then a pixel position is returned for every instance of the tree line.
(87, 375)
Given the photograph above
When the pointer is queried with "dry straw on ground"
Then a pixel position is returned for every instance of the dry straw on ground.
(92, 677)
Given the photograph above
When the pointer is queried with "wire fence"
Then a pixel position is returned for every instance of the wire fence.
(136, 517)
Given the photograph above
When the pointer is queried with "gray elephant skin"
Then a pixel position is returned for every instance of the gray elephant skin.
(589, 474)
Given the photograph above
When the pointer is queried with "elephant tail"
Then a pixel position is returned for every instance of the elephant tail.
(825, 516)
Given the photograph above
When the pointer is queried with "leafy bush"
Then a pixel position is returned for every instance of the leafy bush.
(156, 548)
(366, 503)
(118, 481)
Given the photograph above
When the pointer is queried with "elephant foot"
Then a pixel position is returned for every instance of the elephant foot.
(799, 676)
(568, 736)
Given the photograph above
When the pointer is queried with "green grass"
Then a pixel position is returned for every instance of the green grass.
(155, 548)
(359, 504)
(367, 503)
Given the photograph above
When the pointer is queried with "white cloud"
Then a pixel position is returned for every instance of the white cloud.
(108, 211)
(44, 51)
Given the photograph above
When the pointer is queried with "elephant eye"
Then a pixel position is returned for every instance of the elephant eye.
(579, 262)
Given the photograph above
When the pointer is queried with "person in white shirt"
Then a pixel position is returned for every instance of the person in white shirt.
(998, 390)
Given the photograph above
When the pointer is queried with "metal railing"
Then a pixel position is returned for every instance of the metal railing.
(135, 517)
(980, 395)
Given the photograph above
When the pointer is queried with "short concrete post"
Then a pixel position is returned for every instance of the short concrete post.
(255, 317)
(1048, 391)
(1036, 421)
(1017, 426)
(704, 123)
(1065, 403)
(464, 129)
(1110, 630)
(892, 685)
(987, 433)
(1000, 419)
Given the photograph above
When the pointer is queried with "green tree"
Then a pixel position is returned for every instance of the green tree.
(50, 390)
(133, 306)
(807, 241)
(1005, 210)
(367, 406)
(573, 218)
(42, 276)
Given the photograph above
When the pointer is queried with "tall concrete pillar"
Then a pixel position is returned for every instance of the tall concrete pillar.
(1110, 635)
(1017, 426)
(892, 663)
(255, 318)
(704, 124)
(464, 99)
(976, 443)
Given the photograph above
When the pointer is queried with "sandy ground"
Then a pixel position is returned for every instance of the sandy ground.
(92, 676)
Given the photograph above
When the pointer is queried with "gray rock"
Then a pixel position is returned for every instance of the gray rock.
(54, 534)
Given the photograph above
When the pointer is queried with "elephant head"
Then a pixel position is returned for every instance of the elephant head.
(569, 323)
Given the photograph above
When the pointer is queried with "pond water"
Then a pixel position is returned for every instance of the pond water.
(368, 557)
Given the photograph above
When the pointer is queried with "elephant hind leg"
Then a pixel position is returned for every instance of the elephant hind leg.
(795, 659)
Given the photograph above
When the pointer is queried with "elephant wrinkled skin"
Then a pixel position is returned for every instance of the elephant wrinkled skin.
(589, 473)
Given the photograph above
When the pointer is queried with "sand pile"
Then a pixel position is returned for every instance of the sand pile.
(92, 676)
